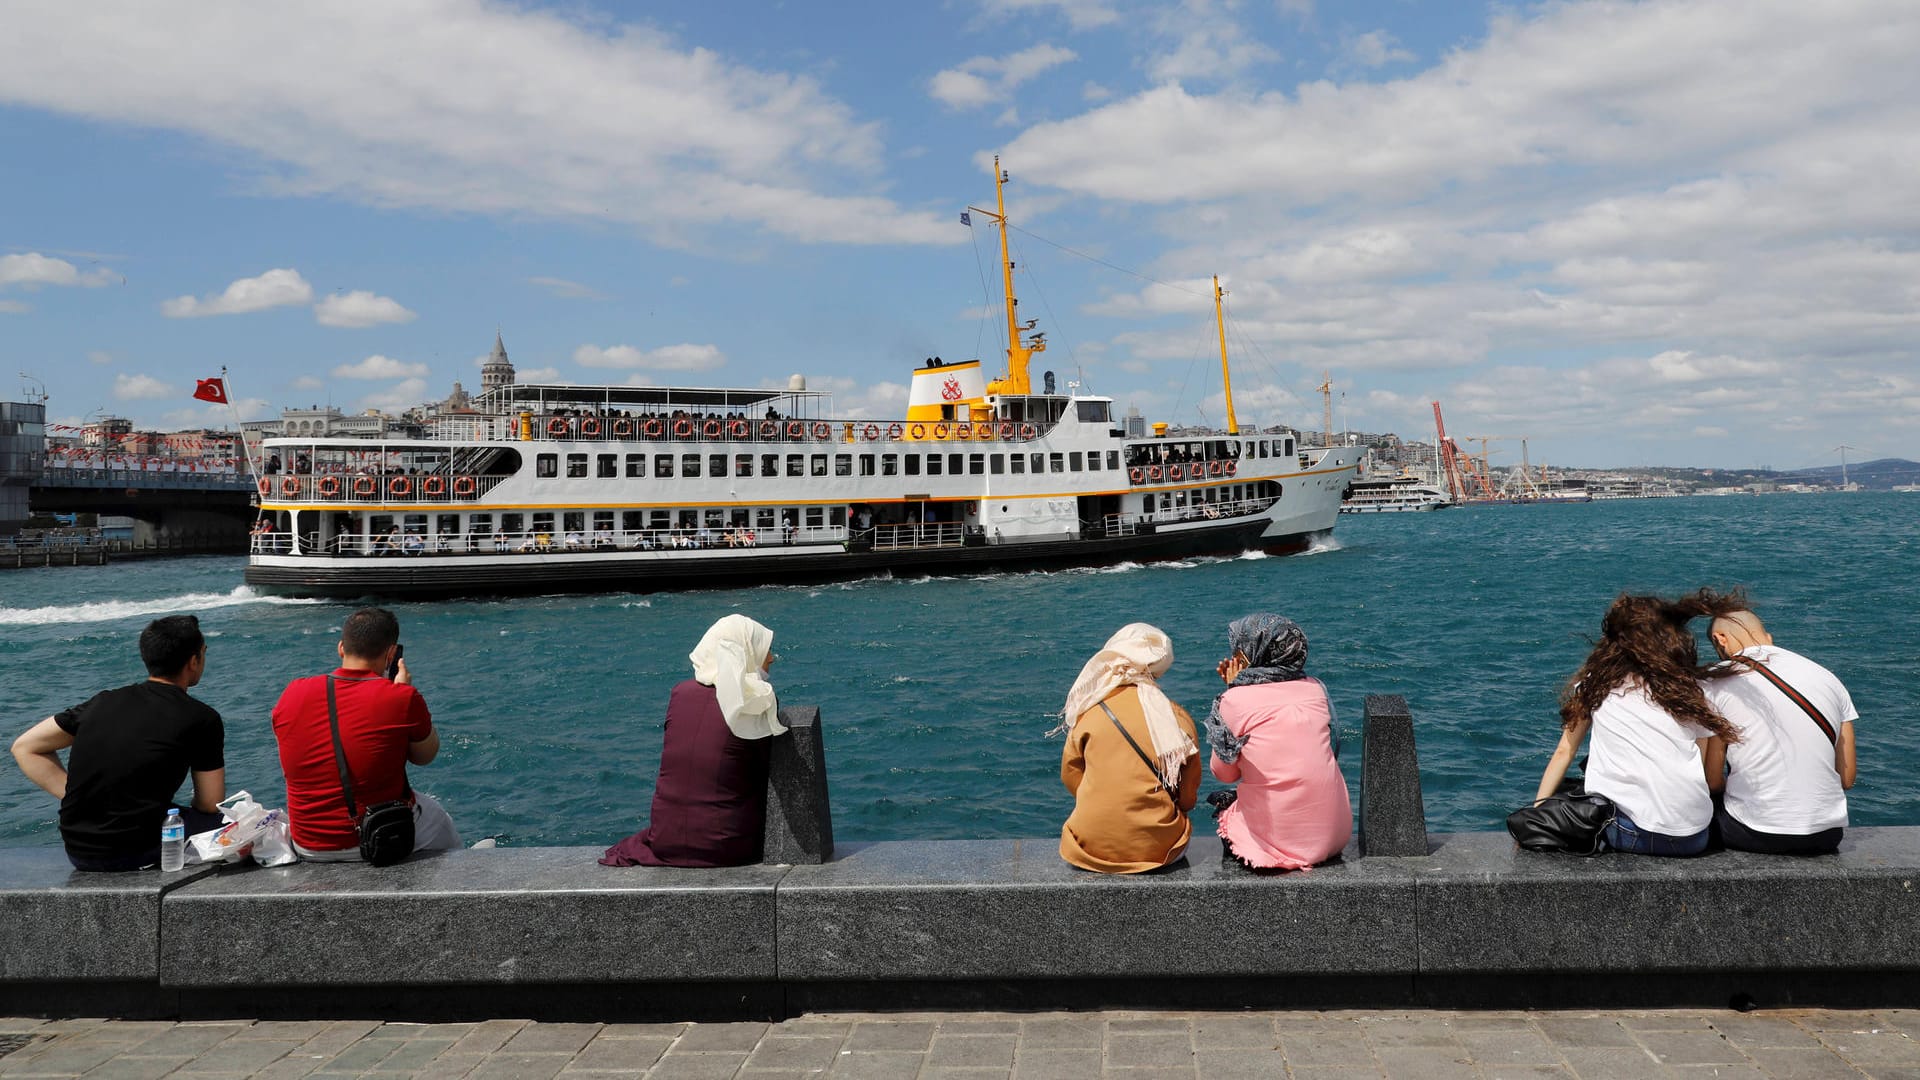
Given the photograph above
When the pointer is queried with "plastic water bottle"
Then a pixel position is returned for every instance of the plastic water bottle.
(173, 842)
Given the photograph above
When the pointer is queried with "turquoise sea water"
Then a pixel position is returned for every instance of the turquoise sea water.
(935, 693)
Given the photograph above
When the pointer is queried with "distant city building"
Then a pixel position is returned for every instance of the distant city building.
(1135, 424)
(23, 436)
(497, 372)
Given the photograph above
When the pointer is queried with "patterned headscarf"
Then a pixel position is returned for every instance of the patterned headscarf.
(1136, 655)
(1276, 651)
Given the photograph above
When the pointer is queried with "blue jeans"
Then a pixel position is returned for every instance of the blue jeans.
(1624, 835)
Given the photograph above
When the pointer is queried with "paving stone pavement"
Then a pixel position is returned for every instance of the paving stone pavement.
(1799, 1044)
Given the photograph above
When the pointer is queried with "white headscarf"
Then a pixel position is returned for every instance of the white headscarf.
(1134, 656)
(732, 659)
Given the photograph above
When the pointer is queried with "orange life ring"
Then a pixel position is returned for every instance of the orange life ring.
(400, 485)
(623, 428)
(328, 487)
(1233, 468)
(983, 432)
(464, 486)
(290, 485)
(822, 431)
(652, 429)
(433, 485)
(557, 426)
(872, 432)
(769, 429)
(710, 429)
(1174, 472)
(796, 430)
(1027, 431)
(941, 431)
(1134, 474)
(1153, 474)
(589, 427)
(363, 486)
(1006, 431)
(738, 429)
(1216, 468)
(919, 431)
(893, 431)
(682, 428)
(265, 485)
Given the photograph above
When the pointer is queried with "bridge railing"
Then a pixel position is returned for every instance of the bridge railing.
(143, 478)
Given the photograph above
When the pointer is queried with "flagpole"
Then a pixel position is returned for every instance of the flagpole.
(239, 433)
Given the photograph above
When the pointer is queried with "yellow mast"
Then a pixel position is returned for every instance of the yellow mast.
(1226, 376)
(1326, 398)
(1019, 350)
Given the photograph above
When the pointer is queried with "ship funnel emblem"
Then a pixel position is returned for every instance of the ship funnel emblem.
(950, 390)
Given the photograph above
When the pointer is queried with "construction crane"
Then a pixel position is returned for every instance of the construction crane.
(1326, 397)
(1526, 467)
(1450, 456)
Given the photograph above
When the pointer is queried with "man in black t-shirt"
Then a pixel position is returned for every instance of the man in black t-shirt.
(131, 748)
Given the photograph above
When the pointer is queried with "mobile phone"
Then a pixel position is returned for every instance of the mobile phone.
(393, 669)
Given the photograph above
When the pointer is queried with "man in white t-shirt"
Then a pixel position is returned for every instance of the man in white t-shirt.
(1786, 786)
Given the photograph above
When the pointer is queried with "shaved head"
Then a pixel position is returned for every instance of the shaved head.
(1734, 631)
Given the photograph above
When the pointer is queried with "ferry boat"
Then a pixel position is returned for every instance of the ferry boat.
(1395, 494)
(558, 487)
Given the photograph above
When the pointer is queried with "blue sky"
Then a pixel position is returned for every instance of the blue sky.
(1669, 232)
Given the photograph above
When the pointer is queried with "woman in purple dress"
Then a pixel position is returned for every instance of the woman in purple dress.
(710, 803)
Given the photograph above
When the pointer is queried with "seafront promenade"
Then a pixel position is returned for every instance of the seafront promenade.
(1419, 1045)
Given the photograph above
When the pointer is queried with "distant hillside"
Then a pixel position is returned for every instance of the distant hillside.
(1874, 475)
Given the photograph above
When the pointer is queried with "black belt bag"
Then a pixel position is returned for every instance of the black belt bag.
(386, 829)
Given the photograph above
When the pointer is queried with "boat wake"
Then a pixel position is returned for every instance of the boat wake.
(117, 610)
(1322, 545)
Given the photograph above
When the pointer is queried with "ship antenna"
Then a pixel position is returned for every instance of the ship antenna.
(1019, 350)
(1226, 374)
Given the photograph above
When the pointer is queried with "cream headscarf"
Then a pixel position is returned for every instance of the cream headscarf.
(732, 658)
(1134, 656)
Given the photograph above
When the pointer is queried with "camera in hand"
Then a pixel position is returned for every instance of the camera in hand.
(393, 669)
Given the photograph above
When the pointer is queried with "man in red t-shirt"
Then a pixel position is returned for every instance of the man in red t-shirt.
(384, 726)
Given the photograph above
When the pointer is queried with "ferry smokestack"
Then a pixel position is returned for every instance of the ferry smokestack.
(796, 383)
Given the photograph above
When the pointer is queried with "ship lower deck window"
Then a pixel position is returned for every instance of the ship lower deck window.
(447, 524)
(573, 520)
(513, 523)
(1059, 462)
(815, 517)
(609, 466)
(934, 464)
(1039, 464)
(889, 464)
(1019, 463)
(913, 464)
(632, 520)
(546, 466)
(663, 466)
(819, 464)
(659, 519)
(977, 464)
(689, 464)
(763, 518)
(576, 465)
(769, 464)
(543, 523)
(743, 464)
(637, 465)
(716, 464)
(866, 465)
(996, 463)
(843, 464)
(1093, 461)
(796, 464)
(1073, 461)
(955, 464)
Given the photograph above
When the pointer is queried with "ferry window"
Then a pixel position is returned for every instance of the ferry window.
(763, 518)
(1073, 461)
(769, 464)
(663, 465)
(1262, 450)
(866, 464)
(546, 465)
(954, 464)
(447, 524)
(837, 517)
(934, 461)
(997, 464)
(1289, 449)
(630, 520)
(1091, 412)
(603, 519)
(743, 465)
(913, 464)
(815, 518)
(977, 464)
(414, 523)
(715, 518)
(576, 465)
(480, 523)
(889, 464)
(819, 464)
(689, 520)
(609, 465)
(1039, 464)
(1093, 461)
(737, 518)
(796, 465)
(543, 523)
(689, 464)
(1059, 462)
(573, 520)
(716, 465)
(843, 464)
(1113, 460)
(513, 523)
(637, 465)
(1019, 463)
(659, 519)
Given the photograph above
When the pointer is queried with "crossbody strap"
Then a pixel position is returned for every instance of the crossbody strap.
(1796, 696)
(339, 750)
(1147, 761)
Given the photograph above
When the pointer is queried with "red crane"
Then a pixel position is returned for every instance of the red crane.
(1450, 455)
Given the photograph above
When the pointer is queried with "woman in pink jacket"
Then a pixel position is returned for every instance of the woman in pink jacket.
(1271, 733)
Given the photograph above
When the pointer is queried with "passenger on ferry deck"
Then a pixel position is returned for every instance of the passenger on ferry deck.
(1130, 759)
(710, 802)
(1651, 724)
(1272, 734)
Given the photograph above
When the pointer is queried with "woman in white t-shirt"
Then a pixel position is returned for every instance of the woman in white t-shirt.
(1638, 693)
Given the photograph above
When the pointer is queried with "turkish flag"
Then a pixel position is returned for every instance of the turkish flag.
(214, 390)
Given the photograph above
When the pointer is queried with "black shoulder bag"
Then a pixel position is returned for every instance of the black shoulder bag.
(1172, 791)
(386, 830)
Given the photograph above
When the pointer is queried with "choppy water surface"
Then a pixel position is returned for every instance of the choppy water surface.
(935, 692)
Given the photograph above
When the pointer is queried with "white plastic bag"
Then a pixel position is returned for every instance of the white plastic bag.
(247, 822)
(274, 845)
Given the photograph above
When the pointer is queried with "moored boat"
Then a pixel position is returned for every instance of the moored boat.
(1395, 494)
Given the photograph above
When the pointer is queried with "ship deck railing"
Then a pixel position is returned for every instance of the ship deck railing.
(349, 487)
(785, 431)
(913, 536)
(1204, 511)
(547, 541)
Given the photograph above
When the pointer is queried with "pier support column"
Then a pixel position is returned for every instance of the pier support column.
(799, 819)
(1393, 816)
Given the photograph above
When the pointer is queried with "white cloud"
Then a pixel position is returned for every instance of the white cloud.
(1376, 48)
(1080, 14)
(380, 367)
(571, 290)
(196, 417)
(275, 288)
(359, 308)
(486, 108)
(100, 356)
(1207, 43)
(1093, 91)
(684, 357)
(14, 307)
(986, 80)
(33, 269)
(537, 375)
(399, 397)
(141, 388)
(308, 382)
